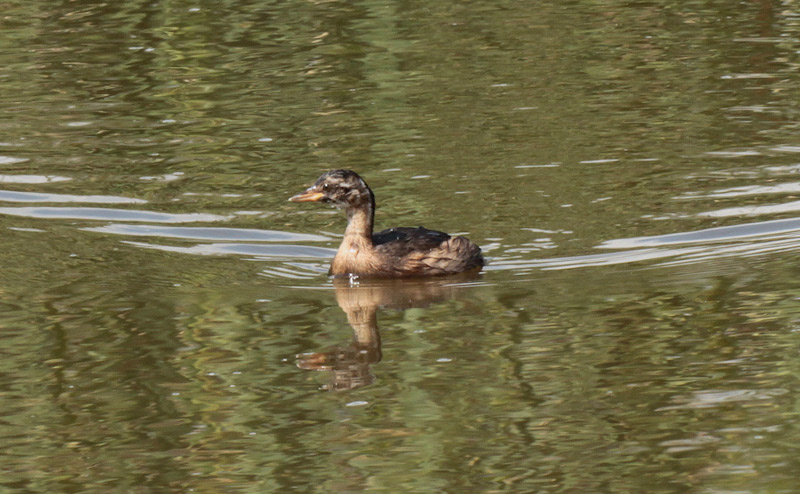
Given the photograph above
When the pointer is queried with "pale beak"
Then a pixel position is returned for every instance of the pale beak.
(310, 195)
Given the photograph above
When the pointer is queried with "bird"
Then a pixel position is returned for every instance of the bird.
(394, 253)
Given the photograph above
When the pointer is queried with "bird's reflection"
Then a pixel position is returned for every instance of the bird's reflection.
(350, 364)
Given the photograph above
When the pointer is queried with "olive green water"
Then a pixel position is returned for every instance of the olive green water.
(630, 169)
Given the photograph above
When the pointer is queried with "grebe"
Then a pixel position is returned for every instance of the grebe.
(392, 253)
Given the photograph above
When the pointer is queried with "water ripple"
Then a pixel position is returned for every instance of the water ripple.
(715, 398)
(14, 196)
(747, 240)
(260, 251)
(723, 233)
(32, 179)
(11, 160)
(110, 214)
(747, 190)
(205, 233)
(788, 207)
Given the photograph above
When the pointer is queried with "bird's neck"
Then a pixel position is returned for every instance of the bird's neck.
(359, 224)
(354, 254)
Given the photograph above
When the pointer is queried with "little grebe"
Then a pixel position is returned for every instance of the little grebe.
(392, 253)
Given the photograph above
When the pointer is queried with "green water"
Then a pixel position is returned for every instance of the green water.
(629, 168)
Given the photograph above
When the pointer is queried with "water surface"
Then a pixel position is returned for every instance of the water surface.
(631, 171)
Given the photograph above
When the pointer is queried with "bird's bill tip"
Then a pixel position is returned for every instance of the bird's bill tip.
(310, 195)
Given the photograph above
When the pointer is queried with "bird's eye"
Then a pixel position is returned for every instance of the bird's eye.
(325, 186)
